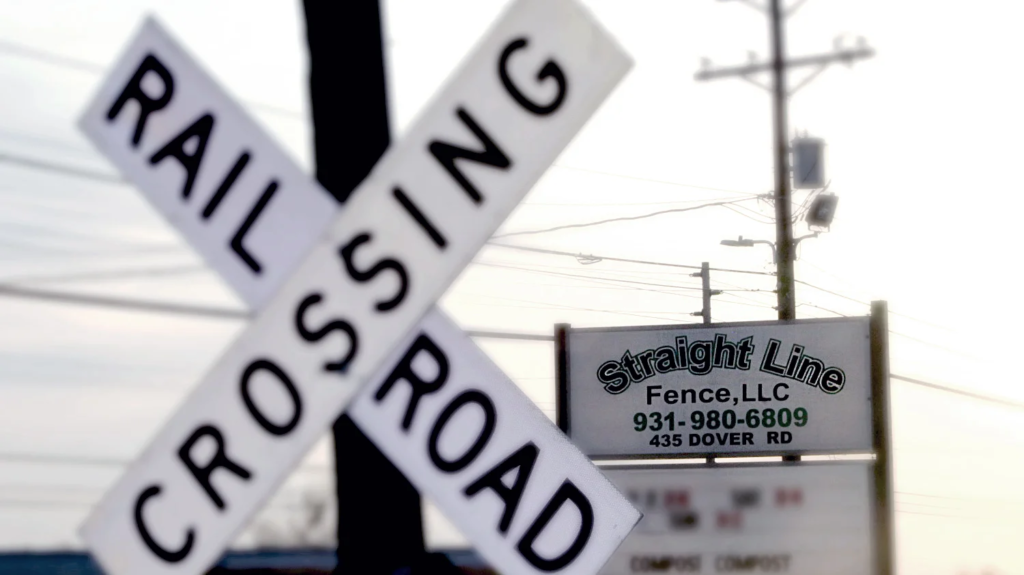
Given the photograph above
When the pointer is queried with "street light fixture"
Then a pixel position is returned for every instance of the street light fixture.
(749, 243)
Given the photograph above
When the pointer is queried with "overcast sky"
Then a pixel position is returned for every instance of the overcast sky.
(923, 146)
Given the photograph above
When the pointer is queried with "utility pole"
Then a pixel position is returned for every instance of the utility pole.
(705, 310)
(706, 292)
(785, 287)
(778, 65)
(380, 527)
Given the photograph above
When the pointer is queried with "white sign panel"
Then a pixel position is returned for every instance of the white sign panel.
(407, 231)
(462, 432)
(794, 387)
(209, 169)
(805, 519)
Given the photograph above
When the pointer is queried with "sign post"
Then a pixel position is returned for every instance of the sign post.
(340, 298)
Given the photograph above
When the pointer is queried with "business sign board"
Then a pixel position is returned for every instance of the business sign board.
(800, 519)
(753, 388)
(362, 282)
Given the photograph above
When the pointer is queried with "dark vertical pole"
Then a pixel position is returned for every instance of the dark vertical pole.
(705, 283)
(380, 530)
(562, 374)
(884, 547)
(705, 310)
(783, 213)
(347, 91)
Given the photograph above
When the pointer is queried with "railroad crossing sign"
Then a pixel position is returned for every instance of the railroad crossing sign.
(339, 296)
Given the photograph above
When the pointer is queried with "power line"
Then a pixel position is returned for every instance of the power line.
(97, 461)
(621, 219)
(822, 308)
(989, 398)
(489, 334)
(992, 501)
(900, 334)
(121, 303)
(105, 275)
(640, 179)
(67, 62)
(61, 169)
(837, 294)
(684, 266)
(44, 141)
(586, 277)
(891, 312)
(614, 204)
(557, 307)
(163, 307)
(55, 59)
(624, 260)
(750, 214)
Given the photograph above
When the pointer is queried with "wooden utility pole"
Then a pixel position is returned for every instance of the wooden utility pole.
(783, 212)
(380, 525)
(778, 65)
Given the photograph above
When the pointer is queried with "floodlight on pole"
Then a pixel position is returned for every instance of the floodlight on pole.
(822, 210)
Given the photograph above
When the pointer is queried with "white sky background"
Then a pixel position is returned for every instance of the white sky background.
(923, 146)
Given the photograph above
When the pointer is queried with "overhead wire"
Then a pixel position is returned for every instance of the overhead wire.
(948, 389)
(577, 308)
(900, 334)
(98, 461)
(121, 303)
(616, 259)
(63, 169)
(71, 63)
(619, 219)
(654, 181)
(104, 275)
(586, 278)
(42, 141)
(617, 204)
(590, 278)
(891, 312)
(752, 215)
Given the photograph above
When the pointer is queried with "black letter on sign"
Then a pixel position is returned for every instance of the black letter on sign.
(313, 336)
(281, 376)
(492, 155)
(471, 396)
(202, 474)
(229, 181)
(236, 242)
(550, 70)
(420, 218)
(384, 264)
(200, 129)
(522, 460)
(567, 492)
(140, 525)
(418, 387)
(147, 105)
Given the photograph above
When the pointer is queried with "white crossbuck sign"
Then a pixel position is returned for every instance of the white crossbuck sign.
(339, 294)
